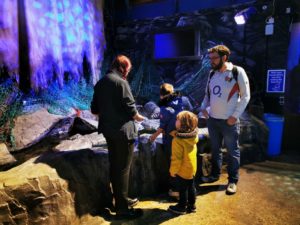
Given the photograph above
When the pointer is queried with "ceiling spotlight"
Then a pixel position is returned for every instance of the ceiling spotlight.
(242, 16)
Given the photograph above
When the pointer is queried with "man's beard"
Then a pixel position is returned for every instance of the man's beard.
(219, 66)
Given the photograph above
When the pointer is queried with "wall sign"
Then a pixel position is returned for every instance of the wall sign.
(276, 81)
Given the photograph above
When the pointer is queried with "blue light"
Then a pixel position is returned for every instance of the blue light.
(85, 37)
(79, 23)
(86, 17)
(71, 38)
(49, 15)
(56, 41)
(77, 9)
(59, 32)
(59, 5)
(66, 3)
(41, 34)
(174, 44)
(42, 22)
(71, 19)
(60, 17)
(66, 23)
(37, 5)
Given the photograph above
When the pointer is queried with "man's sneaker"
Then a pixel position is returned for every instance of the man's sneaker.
(209, 179)
(177, 209)
(191, 208)
(173, 194)
(231, 188)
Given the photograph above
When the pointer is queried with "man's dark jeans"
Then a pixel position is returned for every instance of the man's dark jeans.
(120, 152)
(218, 130)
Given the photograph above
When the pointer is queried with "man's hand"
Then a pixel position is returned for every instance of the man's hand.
(231, 120)
(152, 138)
(205, 113)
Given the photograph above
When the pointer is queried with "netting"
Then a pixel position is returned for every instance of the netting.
(192, 83)
(145, 85)
(10, 107)
(62, 100)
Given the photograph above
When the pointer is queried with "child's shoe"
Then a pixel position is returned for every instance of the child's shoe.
(177, 209)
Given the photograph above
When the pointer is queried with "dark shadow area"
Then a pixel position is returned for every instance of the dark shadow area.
(82, 127)
(203, 190)
(274, 167)
(150, 216)
(86, 172)
(35, 150)
(24, 58)
(291, 157)
(87, 69)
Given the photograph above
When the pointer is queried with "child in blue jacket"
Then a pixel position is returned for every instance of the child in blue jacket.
(171, 103)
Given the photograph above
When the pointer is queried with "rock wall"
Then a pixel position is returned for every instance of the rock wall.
(35, 194)
(69, 182)
(61, 187)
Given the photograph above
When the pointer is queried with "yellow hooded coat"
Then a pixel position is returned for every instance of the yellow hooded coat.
(184, 154)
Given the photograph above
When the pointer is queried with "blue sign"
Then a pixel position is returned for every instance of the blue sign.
(276, 81)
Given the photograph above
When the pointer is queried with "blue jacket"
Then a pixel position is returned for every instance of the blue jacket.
(170, 106)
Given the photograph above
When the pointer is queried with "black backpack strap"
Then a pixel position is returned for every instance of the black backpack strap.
(235, 73)
(235, 87)
(211, 73)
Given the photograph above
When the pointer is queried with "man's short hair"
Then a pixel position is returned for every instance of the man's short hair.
(121, 63)
(220, 49)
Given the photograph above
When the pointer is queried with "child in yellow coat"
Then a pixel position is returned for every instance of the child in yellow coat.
(184, 161)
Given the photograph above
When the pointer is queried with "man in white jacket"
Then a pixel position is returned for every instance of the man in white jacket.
(227, 95)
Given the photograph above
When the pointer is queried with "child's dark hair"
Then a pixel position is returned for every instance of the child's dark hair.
(188, 121)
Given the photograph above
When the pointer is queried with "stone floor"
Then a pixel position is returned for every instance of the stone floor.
(268, 193)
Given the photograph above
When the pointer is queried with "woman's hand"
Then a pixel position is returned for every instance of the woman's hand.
(138, 117)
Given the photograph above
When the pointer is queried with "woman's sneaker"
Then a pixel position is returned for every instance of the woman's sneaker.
(177, 209)
(191, 208)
